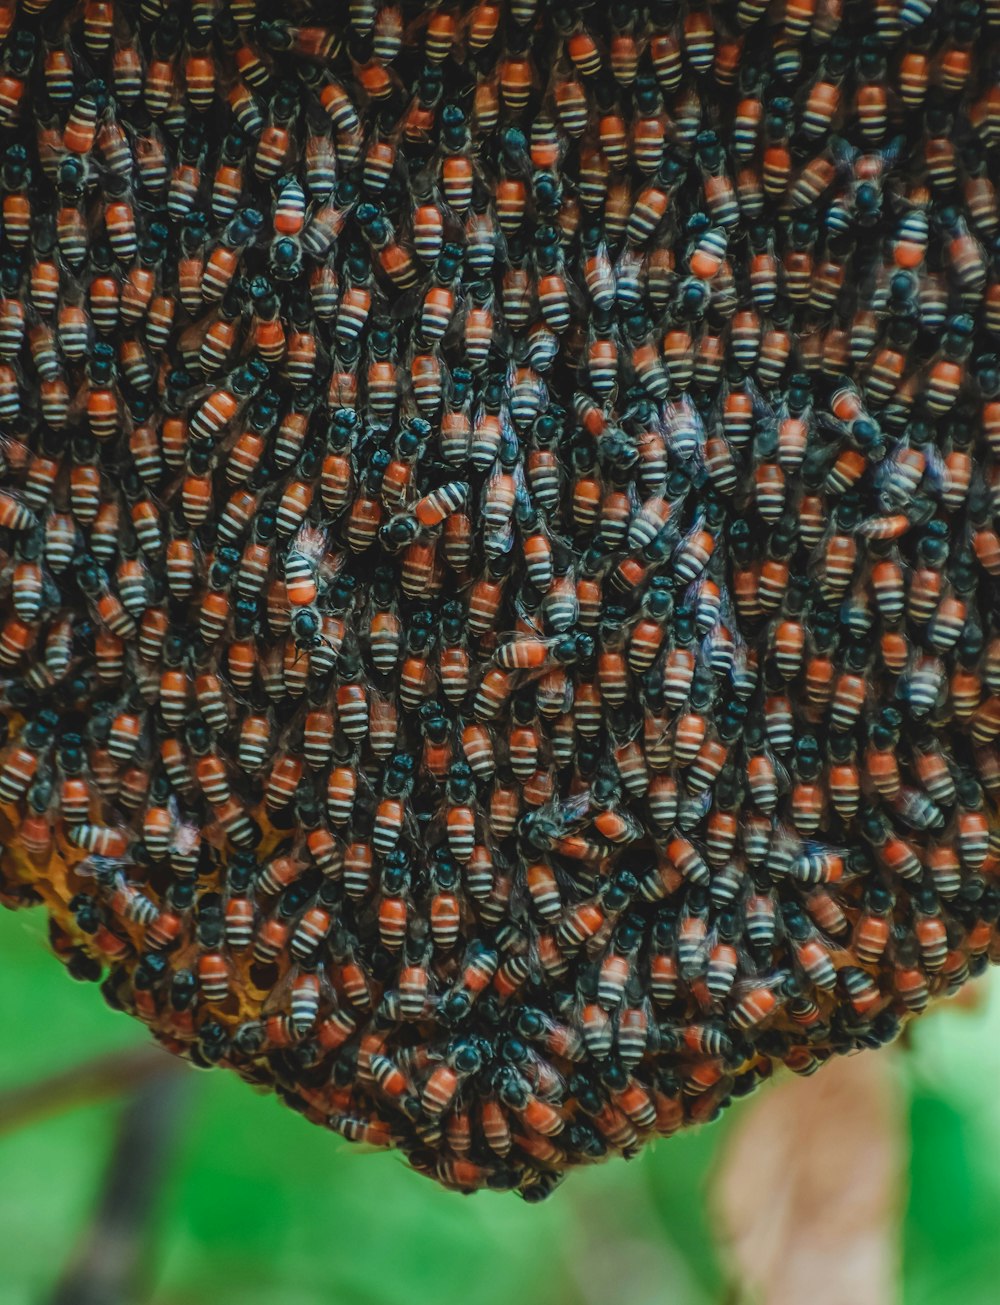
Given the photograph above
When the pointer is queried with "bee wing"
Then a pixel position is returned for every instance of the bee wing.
(407, 306)
(937, 471)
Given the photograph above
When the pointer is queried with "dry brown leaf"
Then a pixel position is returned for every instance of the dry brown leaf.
(809, 1189)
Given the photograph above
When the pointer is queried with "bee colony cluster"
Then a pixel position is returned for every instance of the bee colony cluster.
(498, 551)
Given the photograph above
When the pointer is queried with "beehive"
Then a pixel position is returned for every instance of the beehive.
(498, 546)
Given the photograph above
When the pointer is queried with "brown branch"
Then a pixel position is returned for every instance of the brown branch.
(111, 1258)
(104, 1076)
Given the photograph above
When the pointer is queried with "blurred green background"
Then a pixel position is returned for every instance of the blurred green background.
(256, 1207)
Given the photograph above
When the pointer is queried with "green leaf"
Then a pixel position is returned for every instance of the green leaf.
(51, 1173)
(49, 1022)
(951, 1247)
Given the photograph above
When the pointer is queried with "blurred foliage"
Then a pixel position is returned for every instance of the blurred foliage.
(260, 1208)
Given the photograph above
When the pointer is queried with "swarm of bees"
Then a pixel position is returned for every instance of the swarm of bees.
(499, 555)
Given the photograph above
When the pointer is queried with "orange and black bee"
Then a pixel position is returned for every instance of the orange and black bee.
(500, 544)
